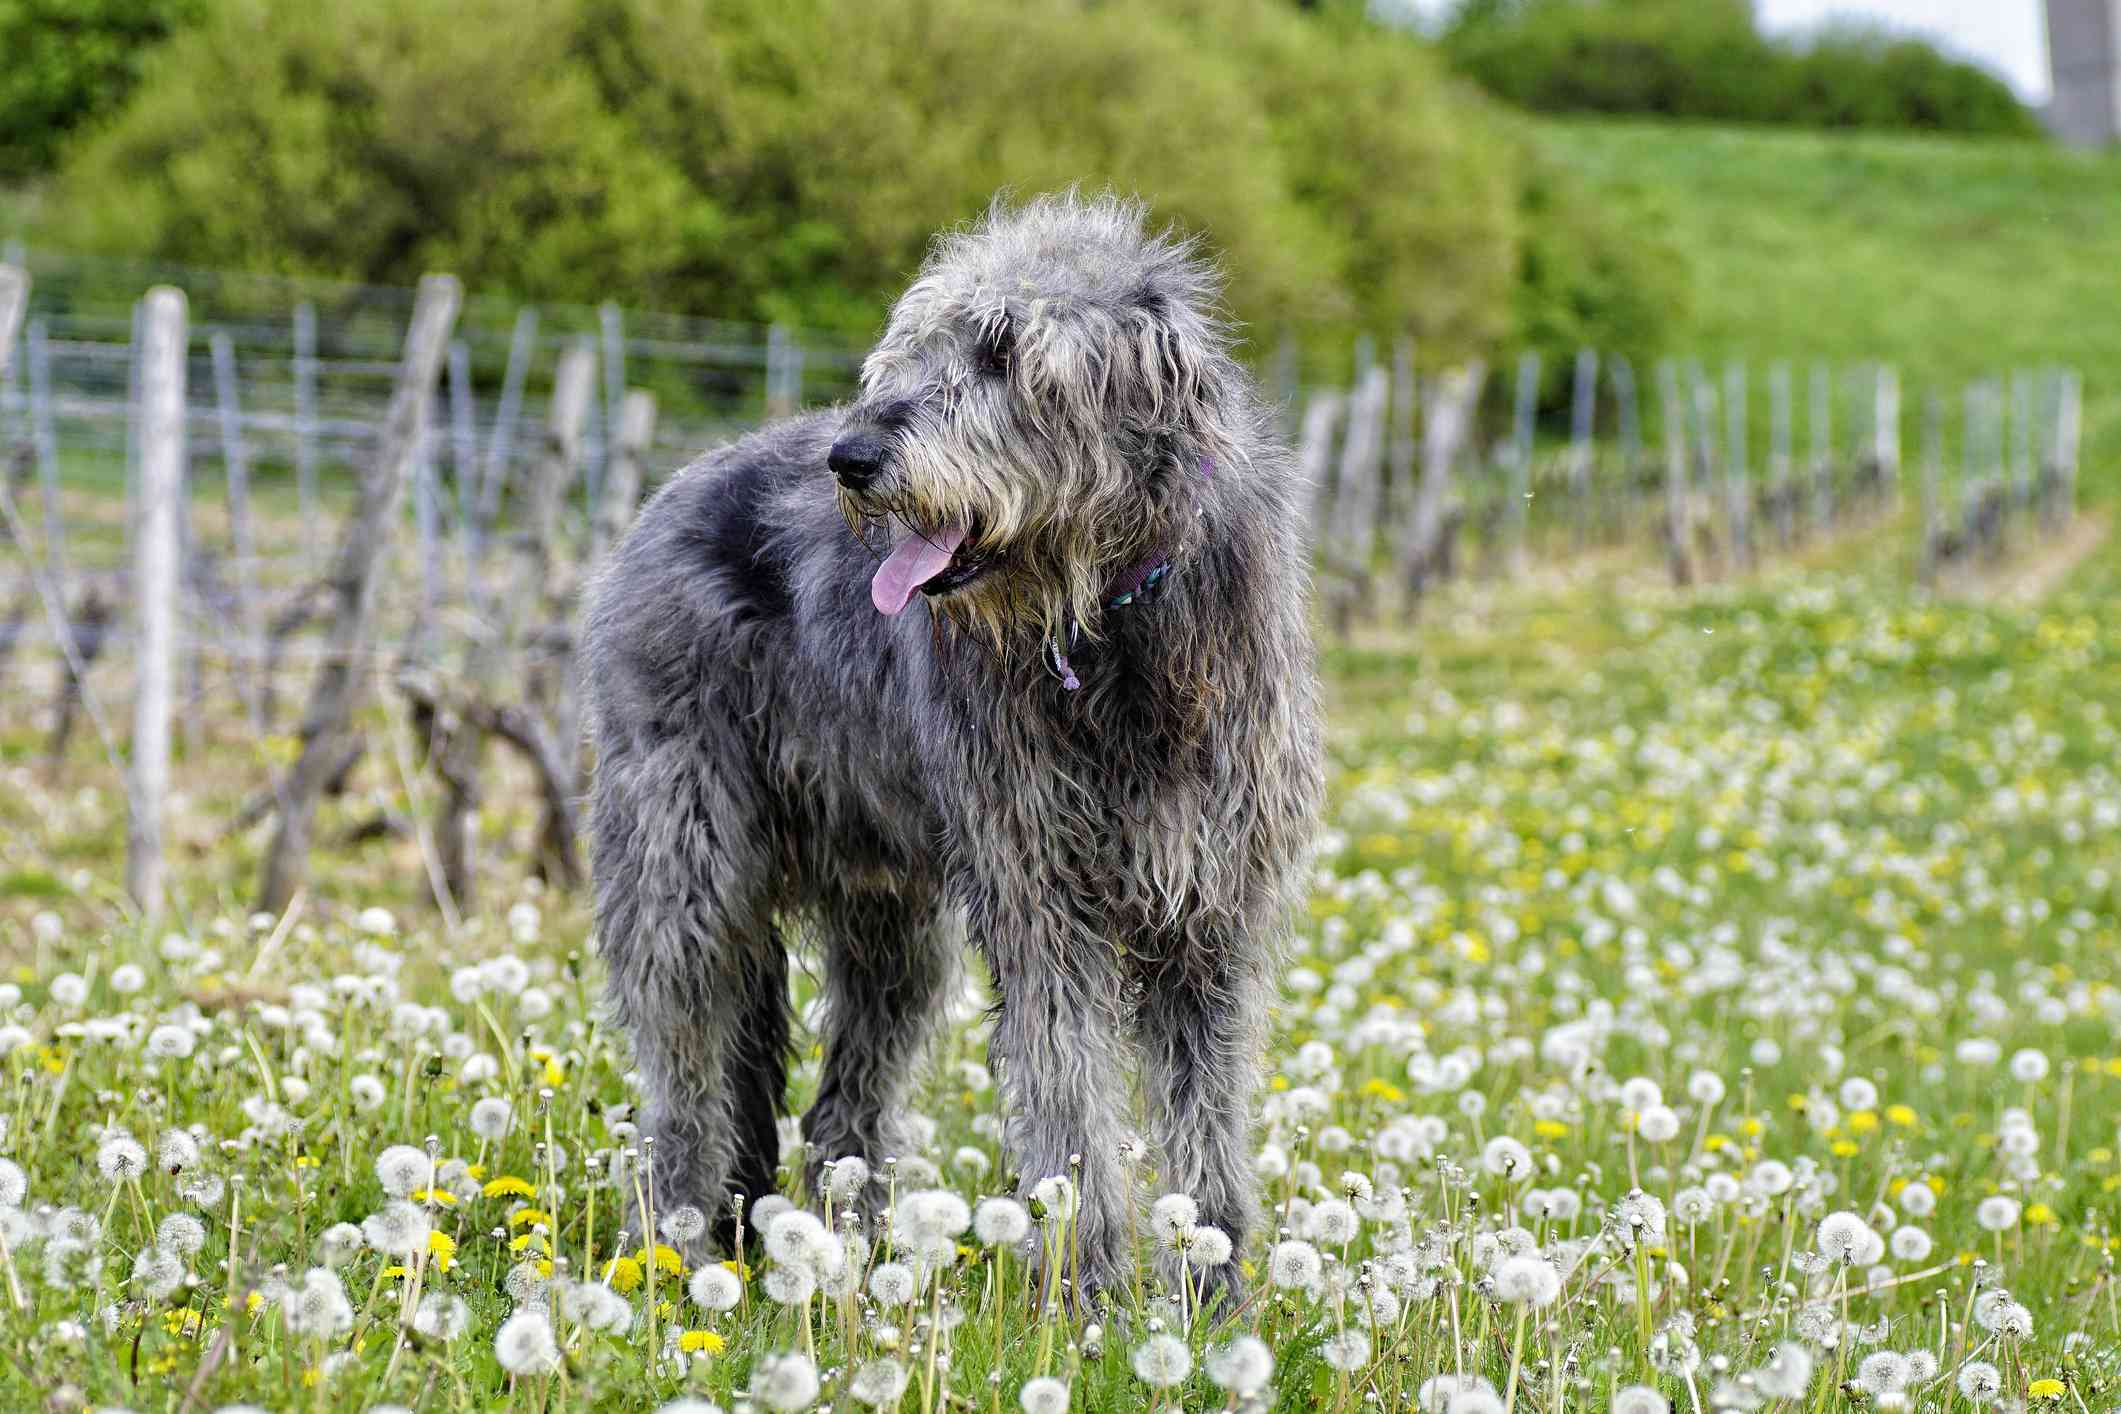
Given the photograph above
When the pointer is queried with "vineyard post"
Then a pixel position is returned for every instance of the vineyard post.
(155, 570)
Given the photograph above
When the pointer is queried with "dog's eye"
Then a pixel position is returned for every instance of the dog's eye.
(995, 349)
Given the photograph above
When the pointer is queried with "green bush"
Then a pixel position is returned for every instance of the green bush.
(1704, 59)
(792, 161)
(67, 63)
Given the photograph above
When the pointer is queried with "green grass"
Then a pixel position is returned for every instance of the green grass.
(1951, 258)
(1810, 838)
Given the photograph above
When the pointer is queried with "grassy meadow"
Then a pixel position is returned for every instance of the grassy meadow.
(1703, 1001)
(1949, 257)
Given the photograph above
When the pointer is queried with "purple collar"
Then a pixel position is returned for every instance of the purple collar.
(1133, 583)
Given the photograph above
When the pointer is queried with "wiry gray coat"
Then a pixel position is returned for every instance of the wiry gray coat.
(775, 748)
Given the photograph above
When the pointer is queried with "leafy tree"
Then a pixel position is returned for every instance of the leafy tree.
(68, 63)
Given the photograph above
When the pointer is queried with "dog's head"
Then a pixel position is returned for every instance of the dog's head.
(1039, 411)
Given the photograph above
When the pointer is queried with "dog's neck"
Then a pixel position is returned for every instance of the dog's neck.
(1137, 581)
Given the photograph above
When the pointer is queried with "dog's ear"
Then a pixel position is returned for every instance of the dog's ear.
(1181, 377)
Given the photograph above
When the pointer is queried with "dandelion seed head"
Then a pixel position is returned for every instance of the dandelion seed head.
(524, 1344)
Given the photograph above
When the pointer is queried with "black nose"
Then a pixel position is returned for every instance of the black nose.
(856, 459)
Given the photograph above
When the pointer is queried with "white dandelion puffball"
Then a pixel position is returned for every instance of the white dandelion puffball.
(1332, 1223)
(1043, 1395)
(845, 1178)
(1882, 1370)
(1162, 1361)
(715, 1288)
(793, 1237)
(491, 1117)
(1294, 1264)
(1918, 1200)
(1242, 1367)
(1658, 1124)
(1638, 1218)
(878, 1383)
(182, 1234)
(1787, 1374)
(14, 1184)
(403, 1170)
(789, 1285)
(893, 1283)
(1347, 1350)
(158, 1272)
(399, 1229)
(688, 1404)
(1980, 1381)
(319, 1307)
(168, 1042)
(1639, 1399)
(1847, 1239)
(682, 1224)
(1998, 1212)
(1172, 1214)
(785, 1382)
(339, 1244)
(1000, 1222)
(524, 1344)
(2029, 1066)
(1909, 1243)
(442, 1317)
(120, 1157)
(1208, 1247)
(1527, 1281)
(1507, 1158)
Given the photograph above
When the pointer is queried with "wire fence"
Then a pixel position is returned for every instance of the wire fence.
(515, 448)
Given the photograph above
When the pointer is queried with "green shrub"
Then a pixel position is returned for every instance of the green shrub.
(1704, 59)
(792, 161)
(67, 63)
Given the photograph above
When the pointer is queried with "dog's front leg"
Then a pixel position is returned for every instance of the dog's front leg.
(1058, 1048)
(1202, 1028)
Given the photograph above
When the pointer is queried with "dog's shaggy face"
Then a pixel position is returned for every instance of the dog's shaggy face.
(1038, 412)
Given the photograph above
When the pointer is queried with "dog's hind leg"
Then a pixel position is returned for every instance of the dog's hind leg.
(1202, 1028)
(697, 975)
(890, 962)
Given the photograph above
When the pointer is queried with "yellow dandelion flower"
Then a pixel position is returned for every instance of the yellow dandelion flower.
(1902, 1115)
(1846, 1148)
(2040, 1213)
(1863, 1122)
(624, 1274)
(665, 1257)
(1279, 1082)
(693, 1342)
(444, 1248)
(1714, 1142)
(441, 1196)
(1549, 1128)
(1752, 1127)
(394, 1271)
(507, 1185)
(2045, 1389)
(1383, 1090)
(523, 1217)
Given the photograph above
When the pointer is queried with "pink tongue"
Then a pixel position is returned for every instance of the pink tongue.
(914, 561)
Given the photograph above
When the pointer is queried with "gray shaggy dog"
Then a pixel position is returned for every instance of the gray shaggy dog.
(1015, 647)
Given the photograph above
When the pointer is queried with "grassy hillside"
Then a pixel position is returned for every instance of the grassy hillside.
(1947, 257)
